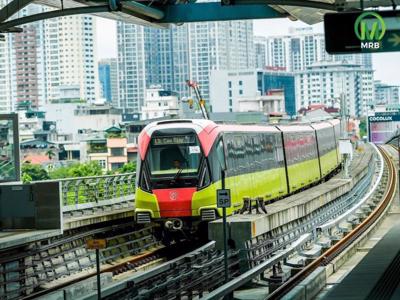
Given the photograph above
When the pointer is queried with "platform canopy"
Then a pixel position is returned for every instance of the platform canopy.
(160, 13)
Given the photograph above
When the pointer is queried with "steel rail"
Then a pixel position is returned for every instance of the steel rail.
(339, 219)
(335, 250)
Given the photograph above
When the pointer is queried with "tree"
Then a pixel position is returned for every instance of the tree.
(50, 154)
(62, 172)
(32, 172)
(91, 168)
(363, 127)
(127, 168)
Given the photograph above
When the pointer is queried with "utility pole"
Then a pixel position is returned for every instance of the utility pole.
(344, 145)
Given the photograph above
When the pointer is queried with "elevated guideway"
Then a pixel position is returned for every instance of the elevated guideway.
(244, 228)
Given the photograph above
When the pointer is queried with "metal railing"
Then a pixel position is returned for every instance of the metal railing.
(86, 192)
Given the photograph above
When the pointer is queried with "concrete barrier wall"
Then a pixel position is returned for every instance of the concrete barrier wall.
(285, 211)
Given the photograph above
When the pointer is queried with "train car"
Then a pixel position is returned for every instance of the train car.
(180, 163)
(301, 153)
(327, 147)
(337, 131)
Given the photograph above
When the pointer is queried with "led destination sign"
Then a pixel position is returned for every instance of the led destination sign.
(173, 140)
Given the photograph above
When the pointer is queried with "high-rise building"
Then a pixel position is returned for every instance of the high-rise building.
(50, 60)
(386, 94)
(302, 47)
(329, 82)
(6, 95)
(168, 58)
(260, 49)
(26, 66)
(131, 67)
(72, 57)
(105, 80)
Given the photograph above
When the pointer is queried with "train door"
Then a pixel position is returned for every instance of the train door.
(231, 154)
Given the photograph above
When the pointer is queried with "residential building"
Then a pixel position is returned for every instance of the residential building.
(71, 57)
(260, 49)
(386, 94)
(228, 86)
(301, 47)
(50, 60)
(329, 82)
(160, 103)
(72, 119)
(6, 95)
(131, 67)
(109, 148)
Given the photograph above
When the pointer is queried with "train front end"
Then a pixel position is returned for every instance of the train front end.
(173, 175)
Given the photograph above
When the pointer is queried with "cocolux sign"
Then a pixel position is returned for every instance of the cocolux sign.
(368, 31)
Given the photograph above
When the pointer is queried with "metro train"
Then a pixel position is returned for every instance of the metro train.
(180, 163)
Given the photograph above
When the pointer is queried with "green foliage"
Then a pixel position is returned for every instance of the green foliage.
(32, 172)
(50, 154)
(91, 168)
(127, 168)
(26, 178)
(58, 173)
(363, 127)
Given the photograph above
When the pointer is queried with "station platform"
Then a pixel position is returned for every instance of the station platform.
(376, 276)
(16, 238)
(98, 217)
(242, 228)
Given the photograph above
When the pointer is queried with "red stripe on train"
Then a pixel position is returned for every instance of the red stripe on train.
(175, 202)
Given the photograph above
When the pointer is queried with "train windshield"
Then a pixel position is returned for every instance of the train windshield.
(174, 155)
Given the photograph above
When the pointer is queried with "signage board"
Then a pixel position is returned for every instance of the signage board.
(96, 244)
(382, 126)
(223, 198)
(362, 32)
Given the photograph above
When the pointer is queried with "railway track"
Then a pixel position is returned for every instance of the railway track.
(379, 196)
(41, 267)
(341, 245)
(189, 276)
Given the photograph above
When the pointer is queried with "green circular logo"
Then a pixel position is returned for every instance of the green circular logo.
(367, 28)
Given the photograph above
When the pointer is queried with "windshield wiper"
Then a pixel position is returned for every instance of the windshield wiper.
(173, 180)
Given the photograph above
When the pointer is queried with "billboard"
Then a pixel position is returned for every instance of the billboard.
(382, 126)
(9, 148)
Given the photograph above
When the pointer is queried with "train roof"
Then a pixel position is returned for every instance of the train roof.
(294, 128)
(334, 121)
(321, 125)
(196, 124)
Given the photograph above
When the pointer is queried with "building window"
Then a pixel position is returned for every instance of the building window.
(240, 82)
(102, 163)
(115, 166)
(230, 93)
(230, 102)
(117, 151)
(240, 92)
(230, 84)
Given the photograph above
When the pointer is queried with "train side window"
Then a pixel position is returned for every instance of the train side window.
(221, 154)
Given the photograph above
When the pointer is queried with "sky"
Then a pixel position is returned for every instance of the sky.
(386, 65)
